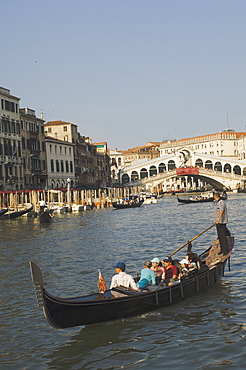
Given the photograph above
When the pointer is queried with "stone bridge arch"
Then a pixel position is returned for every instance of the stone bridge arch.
(152, 170)
(143, 173)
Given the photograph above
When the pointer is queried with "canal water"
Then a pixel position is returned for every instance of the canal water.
(206, 331)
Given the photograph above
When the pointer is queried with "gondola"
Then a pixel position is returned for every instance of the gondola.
(2, 211)
(121, 302)
(194, 200)
(46, 217)
(131, 204)
(15, 214)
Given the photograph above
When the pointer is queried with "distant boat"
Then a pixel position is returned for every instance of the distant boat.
(149, 198)
(130, 204)
(46, 217)
(15, 214)
(195, 200)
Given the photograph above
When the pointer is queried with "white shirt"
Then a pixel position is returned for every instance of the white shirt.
(123, 279)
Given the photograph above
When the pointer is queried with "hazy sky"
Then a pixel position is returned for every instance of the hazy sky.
(128, 71)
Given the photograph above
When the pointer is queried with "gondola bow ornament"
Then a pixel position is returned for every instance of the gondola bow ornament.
(101, 283)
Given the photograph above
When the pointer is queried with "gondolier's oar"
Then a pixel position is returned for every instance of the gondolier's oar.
(195, 237)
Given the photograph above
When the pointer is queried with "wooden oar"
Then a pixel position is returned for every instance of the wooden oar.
(195, 237)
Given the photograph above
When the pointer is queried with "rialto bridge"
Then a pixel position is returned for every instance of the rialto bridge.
(186, 169)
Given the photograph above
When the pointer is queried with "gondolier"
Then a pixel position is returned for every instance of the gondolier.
(221, 219)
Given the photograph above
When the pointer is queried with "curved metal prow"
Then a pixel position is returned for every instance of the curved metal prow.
(37, 276)
(38, 282)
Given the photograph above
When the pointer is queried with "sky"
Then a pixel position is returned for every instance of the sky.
(128, 72)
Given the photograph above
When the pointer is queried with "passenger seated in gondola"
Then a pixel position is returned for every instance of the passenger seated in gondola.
(121, 278)
(171, 272)
(158, 269)
(147, 276)
(184, 268)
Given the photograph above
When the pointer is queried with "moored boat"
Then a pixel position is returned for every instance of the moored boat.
(122, 302)
(2, 211)
(16, 214)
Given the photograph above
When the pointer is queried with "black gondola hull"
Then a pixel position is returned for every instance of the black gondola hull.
(186, 201)
(46, 217)
(16, 214)
(2, 211)
(95, 308)
(127, 205)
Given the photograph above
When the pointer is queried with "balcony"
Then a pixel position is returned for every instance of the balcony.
(36, 171)
(7, 135)
(35, 152)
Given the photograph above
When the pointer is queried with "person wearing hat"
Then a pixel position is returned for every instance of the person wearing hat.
(184, 263)
(121, 278)
(171, 271)
(147, 276)
(221, 220)
(158, 269)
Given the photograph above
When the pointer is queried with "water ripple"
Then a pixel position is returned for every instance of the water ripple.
(206, 331)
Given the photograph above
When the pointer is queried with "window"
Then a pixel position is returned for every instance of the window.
(50, 148)
(62, 166)
(18, 128)
(71, 166)
(23, 143)
(55, 149)
(67, 167)
(60, 149)
(64, 128)
(49, 129)
(57, 166)
(52, 165)
(69, 151)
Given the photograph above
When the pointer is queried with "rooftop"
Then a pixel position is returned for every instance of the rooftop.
(58, 123)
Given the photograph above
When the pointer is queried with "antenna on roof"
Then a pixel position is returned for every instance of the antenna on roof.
(227, 120)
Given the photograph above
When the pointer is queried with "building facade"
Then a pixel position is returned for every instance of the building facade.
(33, 150)
(120, 159)
(223, 144)
(11, 164)
(92, 167)
(60, 163)
(102, 169)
